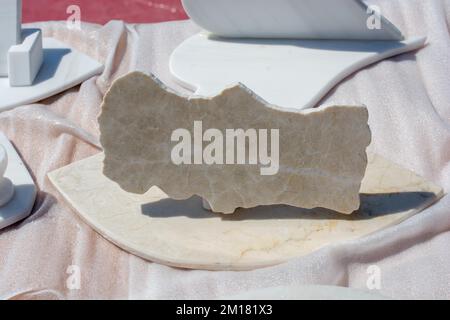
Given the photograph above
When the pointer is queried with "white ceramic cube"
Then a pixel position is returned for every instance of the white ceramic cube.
(25, 59)
(10, 28)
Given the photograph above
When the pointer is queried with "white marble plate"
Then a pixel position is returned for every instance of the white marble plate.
(294, 19)
(294, 74)
(183, 234)
(25, 190)
(63, 68)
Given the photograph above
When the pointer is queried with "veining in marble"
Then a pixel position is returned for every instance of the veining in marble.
(183, 234)
(322, 152)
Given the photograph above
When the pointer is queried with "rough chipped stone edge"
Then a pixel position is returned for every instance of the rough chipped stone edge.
(240, 86)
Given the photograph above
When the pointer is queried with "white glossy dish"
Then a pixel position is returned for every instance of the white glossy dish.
(63, 68)
(20, 206)
(294, 19)
(293, 74)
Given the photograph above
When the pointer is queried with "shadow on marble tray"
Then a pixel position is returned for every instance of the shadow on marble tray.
(372, 206)
(52, 59)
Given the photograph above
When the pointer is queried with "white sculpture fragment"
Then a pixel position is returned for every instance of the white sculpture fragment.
(25, 60)
(21, 52)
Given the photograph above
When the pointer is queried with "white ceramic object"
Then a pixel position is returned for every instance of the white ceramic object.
(10, 26)
(21, 203)
(293, 19)
(25, 59)
(316, 159)
(311, 292)
(183, 234)
(294, 74)
(63, 68)
(6, 186)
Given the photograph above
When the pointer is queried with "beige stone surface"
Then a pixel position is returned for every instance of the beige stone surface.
(322, 152)
(183, 234)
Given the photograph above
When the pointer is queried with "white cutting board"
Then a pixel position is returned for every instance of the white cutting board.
(62, 69)
(20, 206)
(293, 74)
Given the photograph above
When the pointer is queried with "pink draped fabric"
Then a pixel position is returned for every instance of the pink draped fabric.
(408, 98)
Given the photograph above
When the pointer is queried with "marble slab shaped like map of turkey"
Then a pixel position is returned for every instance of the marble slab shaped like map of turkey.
(154, 137)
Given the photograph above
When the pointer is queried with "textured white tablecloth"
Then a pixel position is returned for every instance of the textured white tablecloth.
(409, 103)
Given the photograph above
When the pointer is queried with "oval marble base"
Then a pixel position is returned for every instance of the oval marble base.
(183, 234)
(22, 201)
(293, 74)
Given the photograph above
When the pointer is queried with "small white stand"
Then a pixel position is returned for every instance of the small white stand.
(25, 60)
(206, 205)
(20, 49)
(17, 188)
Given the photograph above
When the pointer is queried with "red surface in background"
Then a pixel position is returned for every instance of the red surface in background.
(102, 11)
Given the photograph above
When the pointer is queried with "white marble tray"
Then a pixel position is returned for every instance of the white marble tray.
(294, 74)
(63, 68)
(25, 190)
(183, 234)
(295, 19)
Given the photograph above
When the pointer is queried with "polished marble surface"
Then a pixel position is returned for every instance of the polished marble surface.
(183, 234)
